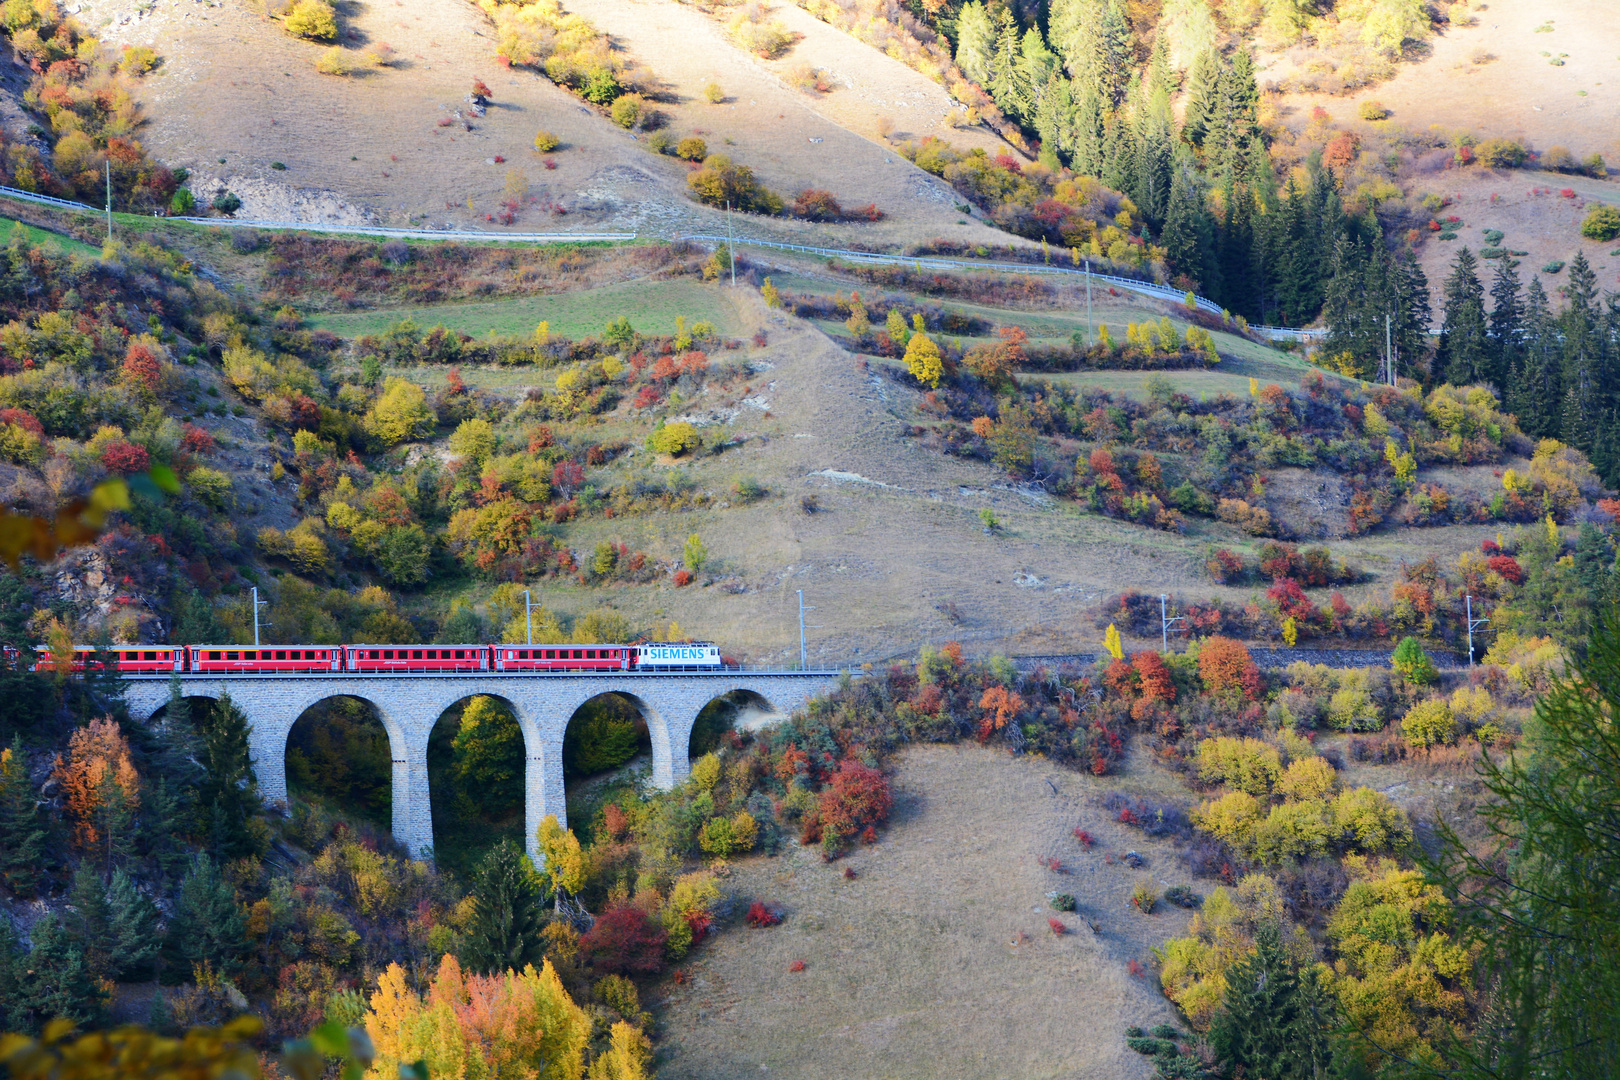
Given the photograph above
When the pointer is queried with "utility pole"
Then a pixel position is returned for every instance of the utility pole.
(1389, 355)
(731, 247)
(108, 164)
(1166, 623)
(257, 604)
(528, 614)
(1473, 624)
(803, 661)
(1088, 301)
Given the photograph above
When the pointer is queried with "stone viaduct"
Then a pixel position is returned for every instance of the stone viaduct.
(410, 705)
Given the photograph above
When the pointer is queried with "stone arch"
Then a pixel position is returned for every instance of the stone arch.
(541, 757)
(657, 726)
(748, 707)
(299, 713)
(148, 697)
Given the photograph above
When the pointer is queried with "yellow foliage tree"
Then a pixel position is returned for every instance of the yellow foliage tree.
(564, 859)
(98, 762)
(400, 413)
(1111, 643)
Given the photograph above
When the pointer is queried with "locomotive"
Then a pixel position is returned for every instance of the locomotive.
(654, 656)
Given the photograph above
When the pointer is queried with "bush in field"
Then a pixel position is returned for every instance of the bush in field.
(857, 798)
(692, 148)
(1242, 764)
(212, 488)
(1429, 723)
(630, 110)
(312, 19)
(334, 61)
(1374, 110)
(624, 941)
(545, 142)
(721, 181)
(1602, 223)
(675, 439)
(714, 93)
(924, 361)
(1226, 667)
(724, 837)
(1501, 153)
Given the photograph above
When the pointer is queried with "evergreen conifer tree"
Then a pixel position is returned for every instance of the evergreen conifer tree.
(132, 926)
(1464, 350)
(1274, 1023)
(207, 923)
(89, 921)
(227, 791)
(1506, 324)
(975, 42)
(1536, 388)
(1088, 132)
(57, 981)
(1202, 96)
(507, 920)
(22, 839)
(13, 984)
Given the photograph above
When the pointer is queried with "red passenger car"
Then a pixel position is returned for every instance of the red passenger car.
(265, 660)
(132, 659)
(429, 659)
(563, 658)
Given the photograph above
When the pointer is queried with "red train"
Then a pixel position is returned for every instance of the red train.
(396, 659)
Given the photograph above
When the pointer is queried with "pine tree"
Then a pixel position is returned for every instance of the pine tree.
(132, 926)
(1119, 154)
(1180, 235)
(1007, 85)
(22, 839)
(207, 923)
(1464, 349)
(1506, 324)
(227, 792)
(1536, 389)
(1054, 117)
(1155, 145)
(58, 983)
(161, 815)
(975, 42)
(1114, 52)
(1274, 1022)
(13, 979)
(506, 923)
(1588, 384)
(88, 920)
(1202, 96)
(1088, 133)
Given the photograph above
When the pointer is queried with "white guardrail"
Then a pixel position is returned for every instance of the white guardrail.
(930, 262)
(935, 262)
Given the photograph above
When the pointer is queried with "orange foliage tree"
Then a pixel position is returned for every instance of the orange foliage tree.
(1001, 705)
(1155, 676)
(1226, 667)
(521, 1024)
(98, 772)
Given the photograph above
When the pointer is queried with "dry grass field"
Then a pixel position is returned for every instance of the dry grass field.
(936, 960)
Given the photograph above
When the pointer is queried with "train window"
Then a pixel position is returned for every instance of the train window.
(458, 655)
(590, 654)
(150, 656)
(232, 656)
(551, 654)
(213, 656)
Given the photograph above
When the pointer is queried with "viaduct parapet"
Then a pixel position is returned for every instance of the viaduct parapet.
(410, 705)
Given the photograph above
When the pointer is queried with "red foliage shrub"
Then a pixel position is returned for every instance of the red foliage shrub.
(1135, 968)
(1224, 567)
(141, 365)
(797, 965)
(567, 476)
(683, 578)
(624, 941)
(23, 419)
(540, 438)
(1291, 600)
(124, 457)
(1101, 461)
(1341, 151)
(856, 797)
(193, 439)
(1058, 929)
(1507, 566)
(1225, 665)
(1001, 705)
(761, 916)
(849, 873)
(1085, 838)
(615, 822)
(1155, 676)
(1121, 678)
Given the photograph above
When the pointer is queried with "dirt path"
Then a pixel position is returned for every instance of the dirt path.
(910, 968)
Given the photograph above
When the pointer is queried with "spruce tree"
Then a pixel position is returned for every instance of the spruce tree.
(1114, 52)
(1588, 385)
(227, 792)
(1536, 389)
(1054, 117)
(13, 979)
(1506, 324)
(1274, 1022)
(1180, 236)
(975, 42)
(57, 982)
(22, 837)
(1464, 349)
(1088, 132)
(89, 920)
(1007, 86)
(207, 923)
(132, 926)
(1202, 96)
(1119, 154)
(507, 920)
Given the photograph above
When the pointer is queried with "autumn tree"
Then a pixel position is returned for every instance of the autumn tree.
(1227, 668)
(100, 787)
(924, 360)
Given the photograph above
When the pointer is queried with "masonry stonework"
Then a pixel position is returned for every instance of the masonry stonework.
(410, 705)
